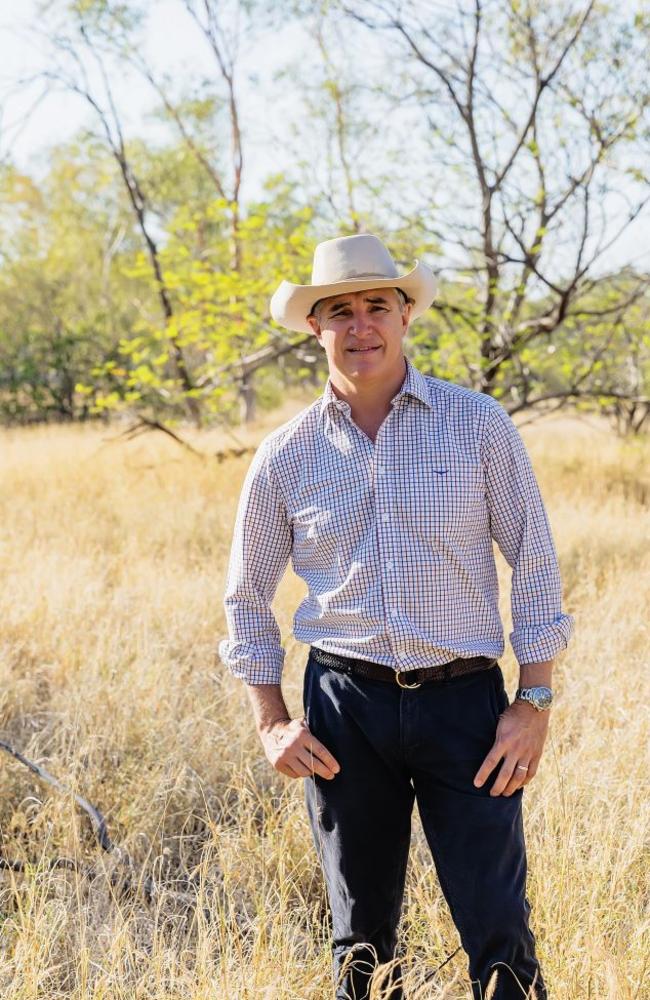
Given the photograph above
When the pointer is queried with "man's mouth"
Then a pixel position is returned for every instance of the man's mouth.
(363, 350)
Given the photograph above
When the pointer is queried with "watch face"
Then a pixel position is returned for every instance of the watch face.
(542, 697)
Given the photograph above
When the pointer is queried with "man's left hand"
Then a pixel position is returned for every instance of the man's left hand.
(520, 737)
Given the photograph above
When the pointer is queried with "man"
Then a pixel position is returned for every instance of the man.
(386, 494)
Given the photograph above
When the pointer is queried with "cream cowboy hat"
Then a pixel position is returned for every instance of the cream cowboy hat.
(350, 264)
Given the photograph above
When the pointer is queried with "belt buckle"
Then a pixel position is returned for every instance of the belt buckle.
(402, 684)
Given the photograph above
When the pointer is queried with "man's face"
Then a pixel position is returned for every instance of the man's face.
(362, 333)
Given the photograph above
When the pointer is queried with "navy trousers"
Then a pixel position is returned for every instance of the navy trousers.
(395, 747)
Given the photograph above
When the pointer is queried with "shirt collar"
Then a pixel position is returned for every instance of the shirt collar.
(414, 384)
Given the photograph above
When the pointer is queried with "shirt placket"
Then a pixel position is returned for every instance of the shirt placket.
(384, 490)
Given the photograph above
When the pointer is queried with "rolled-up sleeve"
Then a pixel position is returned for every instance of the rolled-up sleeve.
(261, 549)
(520, 527)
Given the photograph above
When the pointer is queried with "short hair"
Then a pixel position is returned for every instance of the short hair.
(404, 300)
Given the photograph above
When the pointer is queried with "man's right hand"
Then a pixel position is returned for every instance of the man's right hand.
(293, 750)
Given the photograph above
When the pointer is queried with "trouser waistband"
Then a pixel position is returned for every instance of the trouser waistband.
(404, 678)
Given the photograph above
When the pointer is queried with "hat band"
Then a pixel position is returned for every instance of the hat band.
(354, 277)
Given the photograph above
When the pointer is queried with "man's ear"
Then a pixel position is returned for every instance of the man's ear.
(315, 328)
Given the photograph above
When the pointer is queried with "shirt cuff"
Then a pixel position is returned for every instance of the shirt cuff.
(251, 663)
(539, 643)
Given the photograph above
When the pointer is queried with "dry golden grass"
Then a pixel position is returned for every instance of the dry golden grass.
(113, 560)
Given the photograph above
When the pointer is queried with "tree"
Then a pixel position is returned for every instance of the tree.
(505, 139)
(539, 115)
(220, 313)
(80, 65)
(64, 302)
(94, 39)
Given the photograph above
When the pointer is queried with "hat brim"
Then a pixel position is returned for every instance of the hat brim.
(291, 304)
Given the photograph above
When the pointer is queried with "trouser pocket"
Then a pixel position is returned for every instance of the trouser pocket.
(500, 696)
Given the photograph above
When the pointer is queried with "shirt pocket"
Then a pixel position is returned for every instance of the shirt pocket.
(450, 500)
(329, 516)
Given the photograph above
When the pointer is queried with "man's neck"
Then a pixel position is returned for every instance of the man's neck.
(368, 400)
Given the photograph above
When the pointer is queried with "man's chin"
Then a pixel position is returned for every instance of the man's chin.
(364, 360)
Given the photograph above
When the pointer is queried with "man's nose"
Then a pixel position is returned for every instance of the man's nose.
(360, 322)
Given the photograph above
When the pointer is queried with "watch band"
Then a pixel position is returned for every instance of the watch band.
(540, 696)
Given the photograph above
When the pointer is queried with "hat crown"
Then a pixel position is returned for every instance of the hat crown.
(347, 258)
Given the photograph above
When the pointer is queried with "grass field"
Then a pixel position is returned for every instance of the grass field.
(113, 557)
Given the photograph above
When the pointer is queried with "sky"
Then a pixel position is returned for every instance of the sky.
(27, 130)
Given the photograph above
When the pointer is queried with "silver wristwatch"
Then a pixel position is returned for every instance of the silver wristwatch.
(540, 698)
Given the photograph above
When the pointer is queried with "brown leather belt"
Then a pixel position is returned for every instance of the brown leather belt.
(404, 678)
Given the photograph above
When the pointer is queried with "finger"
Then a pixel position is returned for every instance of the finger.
(283, 766)
(532, 770)
(315, 747)
(287, 763)
(295, 769)
(314, 765)
(518, 780)
(504, 775)
(488, 765)
(285, 770)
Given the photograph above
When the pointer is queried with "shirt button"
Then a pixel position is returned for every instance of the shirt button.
(389, 564)
(381, 469)
(385, 518)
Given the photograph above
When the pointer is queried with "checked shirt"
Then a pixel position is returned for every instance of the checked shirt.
(394, 539)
